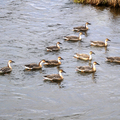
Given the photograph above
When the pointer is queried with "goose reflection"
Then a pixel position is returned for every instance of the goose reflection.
(93, 76)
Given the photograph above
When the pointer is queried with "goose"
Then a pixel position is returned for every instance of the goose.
(100, 43)
(84, 56)
(53, 62)
(87, 69)
(55, 77)
(34, 66)
(54, 48)
(81, 28)
(7, 69)
(73, 38)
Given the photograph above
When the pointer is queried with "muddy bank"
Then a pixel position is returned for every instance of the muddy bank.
(111, 3)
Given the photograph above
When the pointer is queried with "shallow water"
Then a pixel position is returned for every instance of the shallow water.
(26, 28)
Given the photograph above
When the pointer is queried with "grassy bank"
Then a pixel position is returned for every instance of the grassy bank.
(111, 3)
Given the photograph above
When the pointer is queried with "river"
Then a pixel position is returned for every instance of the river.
(27, 27)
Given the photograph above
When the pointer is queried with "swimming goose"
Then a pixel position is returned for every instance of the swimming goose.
(100, 43)
(84, 56)
(53, 62)
(34, 66)
(81, 28)
(113, 59)
(7, 69)
(55, 77)
(54, 48)
(87, 69)
(73, 38)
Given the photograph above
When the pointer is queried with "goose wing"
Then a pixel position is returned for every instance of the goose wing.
(83, 56)
(53, 77)
(31, 66)
(51, 62)
(5, 70)
(71, 38)
(80, 28)
(110, 58)
(84, 69)
(52, 48)
(97, 43)
(117, 58)
(113, 59)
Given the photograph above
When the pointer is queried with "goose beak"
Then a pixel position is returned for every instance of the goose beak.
(12, 62)
(93, 53)
(64, 71)
(89, 23)
(97, 63)
(109, 40)
(62, 59)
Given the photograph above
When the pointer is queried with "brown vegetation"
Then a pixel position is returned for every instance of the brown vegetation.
(112, 3)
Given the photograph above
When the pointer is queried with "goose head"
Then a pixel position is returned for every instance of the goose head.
(60, 58)
(10, 61)
(91, 52)
(42, 61)
(95, 63)
(107, 39)
(87, 23)
(58, 43)
(60, 71)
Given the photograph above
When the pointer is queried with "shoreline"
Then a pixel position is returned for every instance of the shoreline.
(110, 3)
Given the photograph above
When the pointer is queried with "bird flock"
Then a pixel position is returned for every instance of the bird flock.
(49, 63)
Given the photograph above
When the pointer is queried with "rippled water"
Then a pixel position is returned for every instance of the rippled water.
(26, 28)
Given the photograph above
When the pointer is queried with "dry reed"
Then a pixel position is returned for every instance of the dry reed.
(111, 3)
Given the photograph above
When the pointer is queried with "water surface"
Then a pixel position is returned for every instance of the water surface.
(26, 28)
